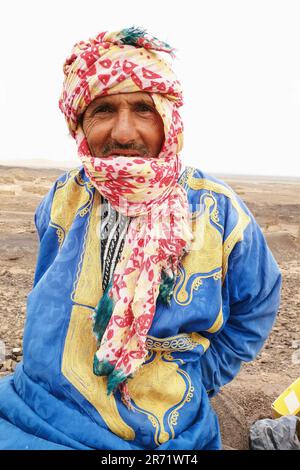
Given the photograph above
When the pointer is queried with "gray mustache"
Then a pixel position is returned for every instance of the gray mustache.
(116, 146)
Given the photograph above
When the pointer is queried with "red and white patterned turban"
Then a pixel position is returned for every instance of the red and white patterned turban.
(118, 62)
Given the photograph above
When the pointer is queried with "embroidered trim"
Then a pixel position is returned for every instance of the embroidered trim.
(182, 342)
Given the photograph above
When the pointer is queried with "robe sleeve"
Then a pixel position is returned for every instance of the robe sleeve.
(42, 213)
(42, 220)
(252, 290)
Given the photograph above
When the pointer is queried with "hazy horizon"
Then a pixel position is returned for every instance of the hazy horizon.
(42, 164)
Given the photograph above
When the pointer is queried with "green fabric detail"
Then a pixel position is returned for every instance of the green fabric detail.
(114, 379)
(102, 314)
(166, 289)
(131, 35)
(101, 317)
(102, 368)
(104, 309)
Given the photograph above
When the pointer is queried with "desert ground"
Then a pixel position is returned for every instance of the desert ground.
(275, 202)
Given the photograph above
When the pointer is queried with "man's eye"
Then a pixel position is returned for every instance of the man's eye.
(103, 109)
(144, 108)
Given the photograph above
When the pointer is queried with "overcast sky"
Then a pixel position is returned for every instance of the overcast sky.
(238, 61)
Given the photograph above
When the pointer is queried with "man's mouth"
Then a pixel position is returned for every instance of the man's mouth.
(124, 153)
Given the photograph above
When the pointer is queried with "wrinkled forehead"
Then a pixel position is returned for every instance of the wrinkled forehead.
(124, 98)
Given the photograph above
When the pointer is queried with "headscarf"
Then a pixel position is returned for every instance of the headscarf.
(143, 188)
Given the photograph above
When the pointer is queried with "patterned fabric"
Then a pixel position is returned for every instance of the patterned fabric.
(105, 65)
(143, 188)
(114, 226)
(157, 238)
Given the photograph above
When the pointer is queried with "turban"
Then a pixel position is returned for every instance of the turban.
(144, 188)
(112, 63)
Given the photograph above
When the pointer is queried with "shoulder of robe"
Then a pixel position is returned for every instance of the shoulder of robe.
(195, 180)
(220, 212)
(70, 188)
(73, 197)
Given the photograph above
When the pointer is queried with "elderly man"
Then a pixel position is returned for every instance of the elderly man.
(152, 284)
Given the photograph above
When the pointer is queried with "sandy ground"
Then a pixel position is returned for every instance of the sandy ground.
(276, 206)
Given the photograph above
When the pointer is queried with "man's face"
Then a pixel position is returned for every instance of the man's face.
(123, 124)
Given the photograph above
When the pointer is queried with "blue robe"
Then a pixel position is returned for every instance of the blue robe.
(223, 307)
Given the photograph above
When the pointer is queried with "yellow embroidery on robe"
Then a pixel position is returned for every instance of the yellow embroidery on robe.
(88, 286)
(159, 389)
(77, 367)
(236, 234)
(217, 323)
(179, 343)
(80, 345)
(72, 196)
(205, 257)
(209, 255)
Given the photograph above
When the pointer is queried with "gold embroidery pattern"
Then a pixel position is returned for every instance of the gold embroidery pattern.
(205, 258)
(88, 286)
(88, 186)
(77, 367)
(68, 175)
(59, 232)
(209, 255)
(217, 323)
(159, 390)
(179, 343)
(80, 344)
(188, 173)
(68, 201)
(243, 219)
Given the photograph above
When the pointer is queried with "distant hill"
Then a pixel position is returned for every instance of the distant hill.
(40, 163)
(44, 164)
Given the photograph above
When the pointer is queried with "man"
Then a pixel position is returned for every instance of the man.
(152, 285)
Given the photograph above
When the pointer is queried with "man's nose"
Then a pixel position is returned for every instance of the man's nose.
(124, 130)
